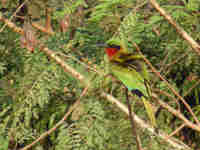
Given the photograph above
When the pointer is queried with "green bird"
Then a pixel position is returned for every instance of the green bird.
(131, 70)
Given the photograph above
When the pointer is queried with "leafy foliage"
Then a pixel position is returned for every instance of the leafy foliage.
(35, 93)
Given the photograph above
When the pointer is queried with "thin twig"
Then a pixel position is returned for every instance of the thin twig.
(65, 66)
(169, 86)
(177, 60)
(14, 14)
(11, 25)
(175, 131)
(139, 6)
(181, 31)
(42, 29)
(190, 89)
(167, 66)
(176, 113)
(172, 141)
(162, 64)
(133, 123)
(82, 63)
(72, 108)
(170, 96)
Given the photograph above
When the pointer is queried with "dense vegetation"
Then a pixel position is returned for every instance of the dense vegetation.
(36, 92)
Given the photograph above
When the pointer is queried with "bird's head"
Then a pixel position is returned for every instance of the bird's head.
(112, 50)
(113, 46)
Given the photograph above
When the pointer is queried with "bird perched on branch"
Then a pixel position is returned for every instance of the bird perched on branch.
(131, 70)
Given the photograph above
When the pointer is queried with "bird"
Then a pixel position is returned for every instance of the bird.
(130, 68)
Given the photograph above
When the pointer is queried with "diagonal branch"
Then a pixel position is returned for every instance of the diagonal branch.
(169, 86)
(172, 141)
(180, 30)
(141, 123)
(176, 131)
(177, 114)
(18, 9)
(11, 25)
(72, 108)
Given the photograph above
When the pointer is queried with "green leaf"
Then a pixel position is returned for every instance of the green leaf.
(155, 19)
(4, 143)
(193, 5)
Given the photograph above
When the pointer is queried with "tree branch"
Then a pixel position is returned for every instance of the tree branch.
(71, 109)
(133, 123)
(180, 30)
(169, 86)
(142, 124)
(172, 141)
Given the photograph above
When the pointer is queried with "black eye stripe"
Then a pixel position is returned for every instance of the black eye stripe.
(114, 46)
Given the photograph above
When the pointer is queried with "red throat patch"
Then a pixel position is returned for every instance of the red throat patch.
(111, 52)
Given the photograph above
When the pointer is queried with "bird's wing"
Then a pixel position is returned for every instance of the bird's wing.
(130, 78)
(134, 61)
(140, 67)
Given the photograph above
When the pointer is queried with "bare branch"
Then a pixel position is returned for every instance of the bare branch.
(11, 25)
(172, 141)
(169, 86)
(42, 29)
(169, 96)
(133, 123)
(180, 30)
(194, 86)
(71, 109)
(176, 131)
(177, 114)
(14, 14)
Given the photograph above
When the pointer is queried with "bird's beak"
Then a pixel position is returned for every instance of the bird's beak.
(102, 45)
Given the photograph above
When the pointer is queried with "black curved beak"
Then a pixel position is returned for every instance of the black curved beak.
(102, 45)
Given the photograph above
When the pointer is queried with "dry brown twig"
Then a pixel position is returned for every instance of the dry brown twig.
(71, 109)
(42, 29)
(143, 125)
(195, 85)
(177, 114)
(162, 63)
(177, 60)
(47, 28)
(11, 25)
(169, 86)
(14, 14)
(172, 141)
(167, 66)
(180, 30)
(169, 96)
(156, 31)
(176, 131)
(133, 122)
(65, 23)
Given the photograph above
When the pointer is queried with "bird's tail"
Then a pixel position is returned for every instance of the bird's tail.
(150, 112)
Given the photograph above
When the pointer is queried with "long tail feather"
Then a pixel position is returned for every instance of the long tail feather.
(150, 111)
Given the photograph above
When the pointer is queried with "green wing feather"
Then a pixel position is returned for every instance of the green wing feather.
(133, 79)
(130, 78)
